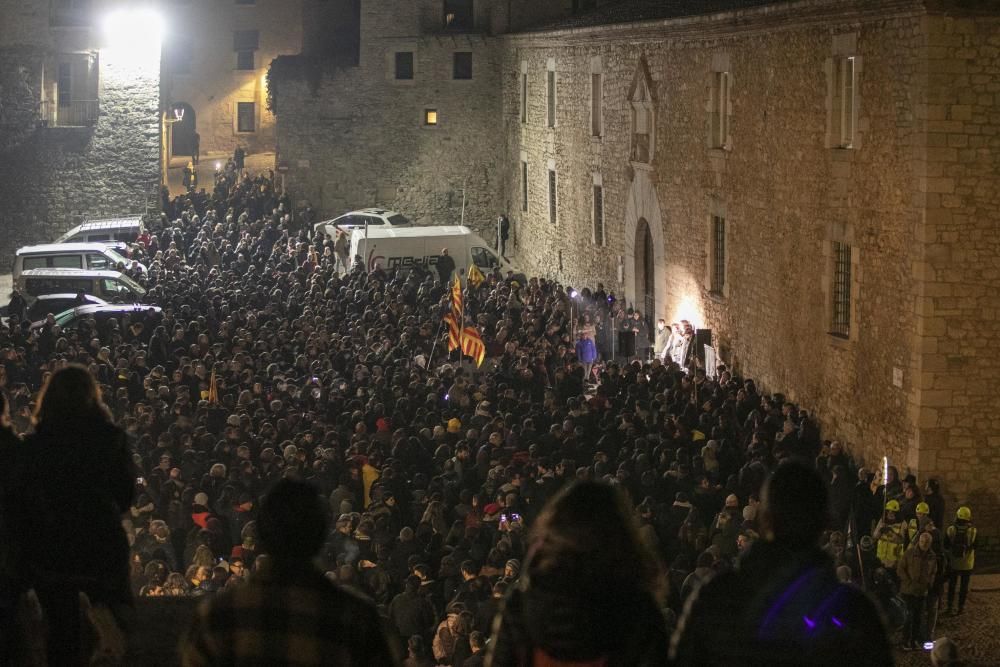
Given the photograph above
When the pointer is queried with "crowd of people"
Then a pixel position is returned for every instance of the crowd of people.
(268, 363)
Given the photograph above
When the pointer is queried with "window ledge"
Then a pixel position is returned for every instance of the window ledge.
(718, 297)
(642, 166)
(839, 341)
(597, 138)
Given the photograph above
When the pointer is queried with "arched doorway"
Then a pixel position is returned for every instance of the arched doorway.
(182, 141)
(645, 271)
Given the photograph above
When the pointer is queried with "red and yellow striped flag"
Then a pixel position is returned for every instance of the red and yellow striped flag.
(456, 299)
(213, 390)
(453, 332)
(473, 346)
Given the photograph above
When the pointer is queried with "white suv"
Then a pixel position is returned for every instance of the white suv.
(380, 217)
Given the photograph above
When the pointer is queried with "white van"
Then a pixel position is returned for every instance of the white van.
(126, 229)
(94, 256)
(108, 285)
(404, 247)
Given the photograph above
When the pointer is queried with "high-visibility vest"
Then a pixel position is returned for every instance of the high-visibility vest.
(890, 544)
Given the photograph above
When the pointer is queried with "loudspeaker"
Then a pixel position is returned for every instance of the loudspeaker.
(626, 343)
(702, 337)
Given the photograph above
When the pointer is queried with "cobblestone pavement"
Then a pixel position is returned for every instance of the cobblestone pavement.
(976, 631)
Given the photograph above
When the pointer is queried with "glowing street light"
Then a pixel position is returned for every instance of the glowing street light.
(132, 38)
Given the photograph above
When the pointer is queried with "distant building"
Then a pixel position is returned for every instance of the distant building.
(79, 118)
(216, 56)
(814, 181)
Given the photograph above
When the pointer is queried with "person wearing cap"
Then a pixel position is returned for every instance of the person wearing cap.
(891, 535)
(783, 604)
(960, 542)
(257, 623)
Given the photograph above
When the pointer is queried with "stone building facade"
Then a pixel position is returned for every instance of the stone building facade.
(813, 181)
(216, 56)
(79, 121)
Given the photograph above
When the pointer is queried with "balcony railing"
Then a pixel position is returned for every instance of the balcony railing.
(78, 113)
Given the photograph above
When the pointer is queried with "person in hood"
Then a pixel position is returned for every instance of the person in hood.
(589, 591)
(783, 605)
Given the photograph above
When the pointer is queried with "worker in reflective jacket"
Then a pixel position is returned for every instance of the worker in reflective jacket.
(891, 535)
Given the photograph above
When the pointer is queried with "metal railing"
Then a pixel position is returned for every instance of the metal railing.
(78, 113)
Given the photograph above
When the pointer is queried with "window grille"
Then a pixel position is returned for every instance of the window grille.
(718, 254)
(841, 324)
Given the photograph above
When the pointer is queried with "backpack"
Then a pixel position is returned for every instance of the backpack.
(960, 543)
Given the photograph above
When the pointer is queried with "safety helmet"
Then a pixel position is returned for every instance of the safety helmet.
(923, 508)
(892, 506)
(964, 513)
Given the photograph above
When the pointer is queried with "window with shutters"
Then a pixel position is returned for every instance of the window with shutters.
(550, 96)
(597, 105)
(720, 109)
(844, 73)
(643, 107)
(524, 97)
(845, 106)
(459, 14)
(245, 44)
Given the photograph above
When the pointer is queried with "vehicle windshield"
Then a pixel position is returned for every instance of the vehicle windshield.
(136, 288)
(117, 258)
(398, 220)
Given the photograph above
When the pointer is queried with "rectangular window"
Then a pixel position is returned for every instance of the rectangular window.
(458, 14)
(524, 98)
(845, 89)
(718, 254)
(404, 65)
(550, 95)
(430, 117)
(599, 215)
(462, 69)
(596, 105)
(841, 321)
(246, 117)
(552, 196)
(720, 109)
(246, 2)
(64, 85)
(246, 40)
(524, 186)
(244, 59)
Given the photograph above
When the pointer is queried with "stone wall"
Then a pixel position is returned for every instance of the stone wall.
(955, 401)
(355, 136)
(910, 381)
(50, 175)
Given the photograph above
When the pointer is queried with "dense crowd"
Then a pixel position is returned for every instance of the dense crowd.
(267, 363)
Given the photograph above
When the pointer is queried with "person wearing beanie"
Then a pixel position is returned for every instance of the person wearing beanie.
(255, 624)
(783, 603)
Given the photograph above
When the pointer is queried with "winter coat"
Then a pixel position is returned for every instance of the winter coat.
(780, 607)
(916, 570)
(960, 540)
(78, 481)
(586, 351)
(624, 628)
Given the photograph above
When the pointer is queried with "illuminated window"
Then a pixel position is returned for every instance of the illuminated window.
(430, 117)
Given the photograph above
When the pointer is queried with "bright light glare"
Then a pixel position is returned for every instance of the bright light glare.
(136, 32)
(689, 309)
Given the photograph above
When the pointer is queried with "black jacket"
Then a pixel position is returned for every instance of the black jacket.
(625, 627)
(78, 480)
(780, 608)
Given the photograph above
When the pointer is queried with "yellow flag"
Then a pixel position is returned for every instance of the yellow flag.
(476, 276)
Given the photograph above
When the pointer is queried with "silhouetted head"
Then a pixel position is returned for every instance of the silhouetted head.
(71, 394)
(794, 506)
(292, 524)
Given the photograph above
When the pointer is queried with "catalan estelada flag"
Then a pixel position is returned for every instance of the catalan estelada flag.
(456, 299)
(473, 346)
(213, 390)
(453, 332)
(476, 277)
